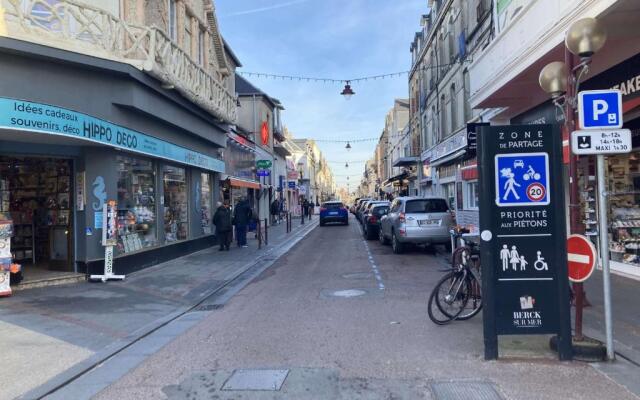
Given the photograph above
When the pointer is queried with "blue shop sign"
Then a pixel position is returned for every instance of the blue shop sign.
(43, 118)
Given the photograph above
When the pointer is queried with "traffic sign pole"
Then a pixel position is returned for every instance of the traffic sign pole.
(604, 255)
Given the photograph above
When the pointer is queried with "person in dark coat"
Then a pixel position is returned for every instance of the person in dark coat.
(224, 228)
(275, 211)
(305, 207)
(241, 218)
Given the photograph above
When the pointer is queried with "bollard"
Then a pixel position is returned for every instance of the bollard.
(266, 232)
(259, 228)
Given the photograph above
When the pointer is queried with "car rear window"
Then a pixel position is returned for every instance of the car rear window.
(426, 206)
(380, 210)
(333, 205)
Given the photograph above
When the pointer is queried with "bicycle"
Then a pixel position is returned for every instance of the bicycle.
(458, 295)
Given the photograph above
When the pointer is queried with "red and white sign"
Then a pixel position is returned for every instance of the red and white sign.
(582, 256)
(536, 192)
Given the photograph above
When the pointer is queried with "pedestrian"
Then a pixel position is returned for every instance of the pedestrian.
(305, 208)
(275, 210)
(222, 221)
(241, 218)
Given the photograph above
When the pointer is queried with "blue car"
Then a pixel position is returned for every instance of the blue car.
(334, 211)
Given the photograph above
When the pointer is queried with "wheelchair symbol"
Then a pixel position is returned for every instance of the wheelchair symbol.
(540, 264)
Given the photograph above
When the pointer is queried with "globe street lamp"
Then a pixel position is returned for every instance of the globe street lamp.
(561, 80)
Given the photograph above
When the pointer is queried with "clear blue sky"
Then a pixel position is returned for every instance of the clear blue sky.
(327, 38)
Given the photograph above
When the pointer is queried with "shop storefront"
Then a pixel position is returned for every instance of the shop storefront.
(453, 164)
(240, 162)
(95, 134)
(623, 173)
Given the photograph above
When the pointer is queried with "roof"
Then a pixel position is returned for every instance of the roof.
(230, 53)
(246, 88)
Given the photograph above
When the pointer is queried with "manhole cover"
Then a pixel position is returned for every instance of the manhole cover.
(348, 293)
(256, 379)
(465, 390)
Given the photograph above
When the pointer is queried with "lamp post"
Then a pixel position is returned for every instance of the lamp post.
(561, 80)
(300, 171)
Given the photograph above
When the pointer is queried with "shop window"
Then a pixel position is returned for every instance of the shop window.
(205, 202)
(176, 226)
(136, 204)
(449, 190)
(471, 196)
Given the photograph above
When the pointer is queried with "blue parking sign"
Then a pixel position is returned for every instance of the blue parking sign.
(600, 109)
(522, 179)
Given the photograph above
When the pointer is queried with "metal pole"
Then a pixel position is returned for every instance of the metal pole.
(604, 255)
(259, 229)
(266, 232)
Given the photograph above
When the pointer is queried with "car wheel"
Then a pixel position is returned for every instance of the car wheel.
(395, 244)
(346, 221)
(321, 223)
(368, 234)
(381, 237)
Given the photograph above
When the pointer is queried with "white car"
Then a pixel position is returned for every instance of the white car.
(518, 164)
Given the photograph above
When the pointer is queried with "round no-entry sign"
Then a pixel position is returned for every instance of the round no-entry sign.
(582, 257)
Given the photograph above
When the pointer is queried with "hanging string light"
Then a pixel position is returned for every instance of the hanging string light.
(348, 146)
(347, 92)
(346, 165)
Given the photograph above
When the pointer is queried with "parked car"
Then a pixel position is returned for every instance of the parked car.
(333, 211)
(361, 204)
(366, 209)
(352, 209)
(361, 209)
(371, 225)
(418, 220)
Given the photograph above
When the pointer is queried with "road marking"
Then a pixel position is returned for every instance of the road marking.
(372, 262)
(579, 258)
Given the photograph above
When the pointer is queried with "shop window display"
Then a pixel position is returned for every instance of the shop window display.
(624, 208)
(136, 205)
(175, 204)
(205, 202)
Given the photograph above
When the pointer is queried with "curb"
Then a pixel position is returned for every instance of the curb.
(67, 377)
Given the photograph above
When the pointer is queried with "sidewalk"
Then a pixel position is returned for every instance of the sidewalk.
(50, 330)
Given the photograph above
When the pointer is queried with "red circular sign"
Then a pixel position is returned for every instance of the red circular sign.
(582, 256)
(536, 192)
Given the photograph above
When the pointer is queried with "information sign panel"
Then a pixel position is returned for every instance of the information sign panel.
(613, 141)
(523, 237)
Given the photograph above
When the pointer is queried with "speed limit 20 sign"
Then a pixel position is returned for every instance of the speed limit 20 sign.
(536, 192)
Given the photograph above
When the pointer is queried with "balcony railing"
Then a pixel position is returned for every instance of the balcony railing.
(81, 28)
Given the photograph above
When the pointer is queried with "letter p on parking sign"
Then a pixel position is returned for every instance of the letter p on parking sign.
(600, 109)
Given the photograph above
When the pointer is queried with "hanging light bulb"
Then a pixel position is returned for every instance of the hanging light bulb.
(348, 146)
(347, 92)
(346, 165)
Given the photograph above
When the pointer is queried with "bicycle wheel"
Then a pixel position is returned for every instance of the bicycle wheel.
(474, 298)
(447, 299)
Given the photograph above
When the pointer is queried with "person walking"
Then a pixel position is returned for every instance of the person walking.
(275, 210)
(305, 208)
(222, 221)
(241, 218)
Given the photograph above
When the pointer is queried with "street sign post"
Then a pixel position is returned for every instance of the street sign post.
(523, 235)
(600, 109)
(600, 118)
(581, 256)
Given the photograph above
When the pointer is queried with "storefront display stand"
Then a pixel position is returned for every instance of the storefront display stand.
(108, 268)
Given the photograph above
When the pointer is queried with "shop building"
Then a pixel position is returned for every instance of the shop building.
(82, 123)
(239, 181)
(504, 79)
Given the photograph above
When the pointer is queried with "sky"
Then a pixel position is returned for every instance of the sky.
(340, 39)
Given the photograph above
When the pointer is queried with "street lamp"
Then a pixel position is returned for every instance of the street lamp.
(300, 171)
(347, 92)
(562, 81)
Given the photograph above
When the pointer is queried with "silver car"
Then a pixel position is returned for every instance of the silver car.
(418, 220)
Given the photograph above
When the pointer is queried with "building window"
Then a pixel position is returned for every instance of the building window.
(187, 34)
(467, 94)
(173, 31)
(205, 202)
(471, 196)
(434, 126)
(175, 204)
(453, 109)
(201, 47)
(136, 204)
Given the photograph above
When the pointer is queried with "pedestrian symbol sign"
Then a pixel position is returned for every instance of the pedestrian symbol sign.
(522, 179)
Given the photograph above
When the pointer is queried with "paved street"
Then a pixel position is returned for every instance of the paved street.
(372, 343)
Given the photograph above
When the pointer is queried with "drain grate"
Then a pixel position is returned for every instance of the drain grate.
(209, 307)
(256, 379)
(464, 390)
